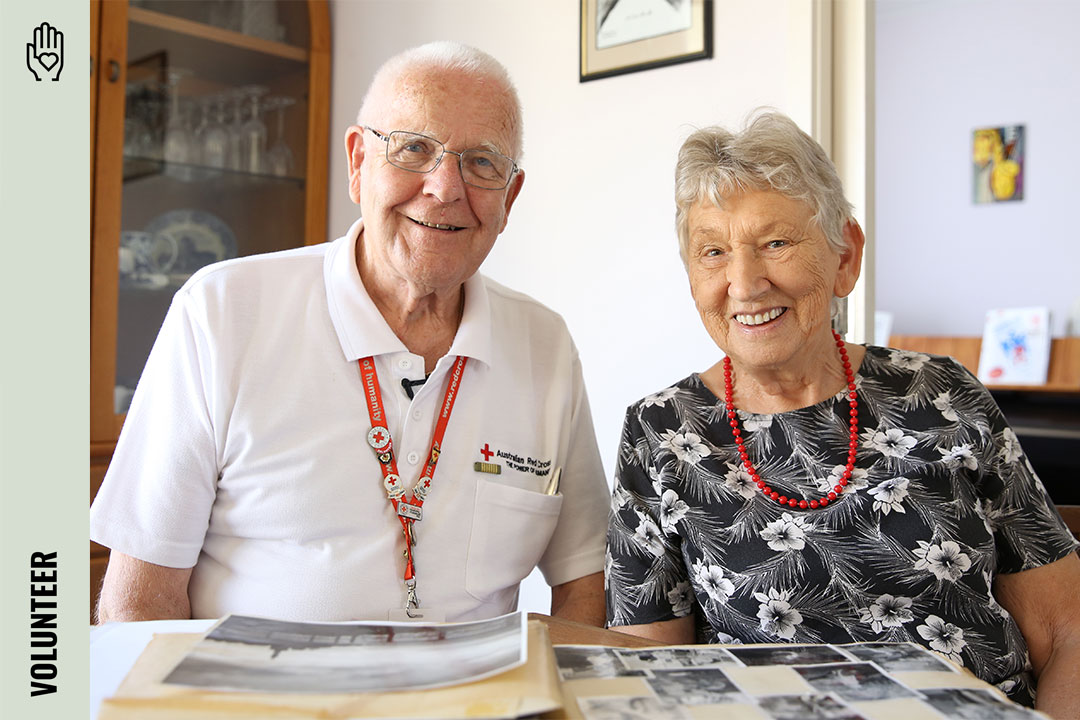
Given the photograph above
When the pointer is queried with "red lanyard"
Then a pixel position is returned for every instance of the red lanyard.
(408, 509)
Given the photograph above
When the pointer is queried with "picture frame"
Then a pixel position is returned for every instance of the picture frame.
(625, 36)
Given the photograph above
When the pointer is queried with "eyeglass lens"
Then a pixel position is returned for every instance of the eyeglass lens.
(420, 153)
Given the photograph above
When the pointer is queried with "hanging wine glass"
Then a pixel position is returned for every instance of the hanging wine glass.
(253, 133)
(179, 147)
(279, 158)
(215, 138)
(198, 131)
(235, 129)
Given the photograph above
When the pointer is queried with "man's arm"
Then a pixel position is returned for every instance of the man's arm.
(580, 600)
(679, 631)
(1043, 601)
(137, 590)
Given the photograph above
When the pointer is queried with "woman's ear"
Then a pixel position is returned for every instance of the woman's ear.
(850, 260)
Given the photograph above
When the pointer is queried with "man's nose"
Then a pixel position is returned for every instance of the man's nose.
(747, 277)
(445, 182)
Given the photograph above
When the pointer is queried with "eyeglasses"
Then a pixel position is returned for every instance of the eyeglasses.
(418, 153)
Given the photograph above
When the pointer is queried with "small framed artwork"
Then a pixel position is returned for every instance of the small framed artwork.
(998, 164)
(624, 36)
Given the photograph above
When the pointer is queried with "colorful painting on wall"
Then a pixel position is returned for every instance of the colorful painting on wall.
(998, 155)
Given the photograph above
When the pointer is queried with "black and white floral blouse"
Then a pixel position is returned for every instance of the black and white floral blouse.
(941, 501)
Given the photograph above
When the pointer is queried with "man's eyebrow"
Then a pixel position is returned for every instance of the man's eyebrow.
(489, 146)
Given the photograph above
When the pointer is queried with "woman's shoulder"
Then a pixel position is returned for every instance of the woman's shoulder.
(888, 360)
(690, 388)
(689, 396)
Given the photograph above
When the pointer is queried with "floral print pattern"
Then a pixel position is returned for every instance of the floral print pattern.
(941, 501)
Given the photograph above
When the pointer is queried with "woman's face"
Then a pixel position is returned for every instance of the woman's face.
(762, 275)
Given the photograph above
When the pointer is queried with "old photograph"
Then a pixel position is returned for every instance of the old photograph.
(807, 707)
(899, 657)
(623, 21)
(589, 661)
(675, 658)
(853, 681)
(701, 686)
(256, 654)
(964, 704)
(789, 655)
(631, 708)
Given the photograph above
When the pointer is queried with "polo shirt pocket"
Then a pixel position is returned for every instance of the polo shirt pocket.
(511, 528)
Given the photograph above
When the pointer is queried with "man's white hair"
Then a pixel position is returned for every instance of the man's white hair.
(445, 55)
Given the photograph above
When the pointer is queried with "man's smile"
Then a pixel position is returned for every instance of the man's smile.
(437, 226)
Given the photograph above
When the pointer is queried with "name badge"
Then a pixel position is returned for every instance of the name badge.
(424, 615)
(408, 510)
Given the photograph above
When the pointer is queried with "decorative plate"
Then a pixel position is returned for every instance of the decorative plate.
(200, 237)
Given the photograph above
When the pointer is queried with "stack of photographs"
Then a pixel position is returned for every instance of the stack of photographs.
(785, 682)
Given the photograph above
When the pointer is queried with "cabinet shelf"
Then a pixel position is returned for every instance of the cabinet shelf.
(142, 169)
(222, 57)
(220, 36)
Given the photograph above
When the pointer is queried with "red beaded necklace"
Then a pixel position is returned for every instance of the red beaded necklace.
(853, 401)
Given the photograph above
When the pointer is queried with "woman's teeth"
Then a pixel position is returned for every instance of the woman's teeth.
(760, 318)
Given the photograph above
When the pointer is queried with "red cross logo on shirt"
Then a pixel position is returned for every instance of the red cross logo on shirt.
(486, 452)
(378, 437)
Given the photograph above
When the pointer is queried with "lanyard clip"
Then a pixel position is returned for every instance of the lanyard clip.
(411, 601)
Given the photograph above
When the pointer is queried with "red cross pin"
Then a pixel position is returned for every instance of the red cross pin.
(486, 452)
(378, 437)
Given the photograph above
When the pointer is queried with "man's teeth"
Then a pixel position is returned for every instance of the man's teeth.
(760, 318)
(437, 226)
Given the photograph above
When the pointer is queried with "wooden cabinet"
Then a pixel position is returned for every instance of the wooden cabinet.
(209, 123)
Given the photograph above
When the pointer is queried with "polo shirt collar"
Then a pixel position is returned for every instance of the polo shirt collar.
(361, 328)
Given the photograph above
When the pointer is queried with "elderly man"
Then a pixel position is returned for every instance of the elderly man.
(367, 429)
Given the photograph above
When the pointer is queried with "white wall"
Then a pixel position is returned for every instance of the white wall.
(944, 68)
(592, 233)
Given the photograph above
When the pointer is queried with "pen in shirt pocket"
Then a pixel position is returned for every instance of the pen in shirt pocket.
(553, 483)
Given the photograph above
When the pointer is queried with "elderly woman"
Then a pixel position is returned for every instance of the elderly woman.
(809, 490)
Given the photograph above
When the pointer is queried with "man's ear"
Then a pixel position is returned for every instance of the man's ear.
(354, 153)
(850, 260)
(511, 195)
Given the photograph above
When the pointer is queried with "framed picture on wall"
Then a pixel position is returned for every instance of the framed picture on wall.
(624, 36)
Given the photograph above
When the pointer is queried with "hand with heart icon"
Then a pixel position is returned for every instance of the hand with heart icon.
(45, 56)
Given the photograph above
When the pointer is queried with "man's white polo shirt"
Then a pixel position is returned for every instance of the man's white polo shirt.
(244, 451)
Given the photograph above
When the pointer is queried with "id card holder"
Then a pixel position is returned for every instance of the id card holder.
(421, 615)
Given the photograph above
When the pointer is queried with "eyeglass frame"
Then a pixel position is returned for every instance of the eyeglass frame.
(385, 137)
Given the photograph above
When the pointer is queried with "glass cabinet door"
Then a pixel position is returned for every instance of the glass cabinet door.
(213, 160)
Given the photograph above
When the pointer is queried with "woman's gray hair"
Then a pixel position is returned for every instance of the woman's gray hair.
(454, 57)
(770, 153)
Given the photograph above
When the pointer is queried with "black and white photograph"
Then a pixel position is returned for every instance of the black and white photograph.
(807, 707)
(899, 657)
(963, 704)
(623, 21)
(631, 708)
(789, 655)
(256, 654)
(589, 661)
(701, 686)
(676, 658)
(625, 36)
(853, 681)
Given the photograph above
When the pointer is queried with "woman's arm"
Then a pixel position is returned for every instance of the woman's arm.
(1045, 602)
